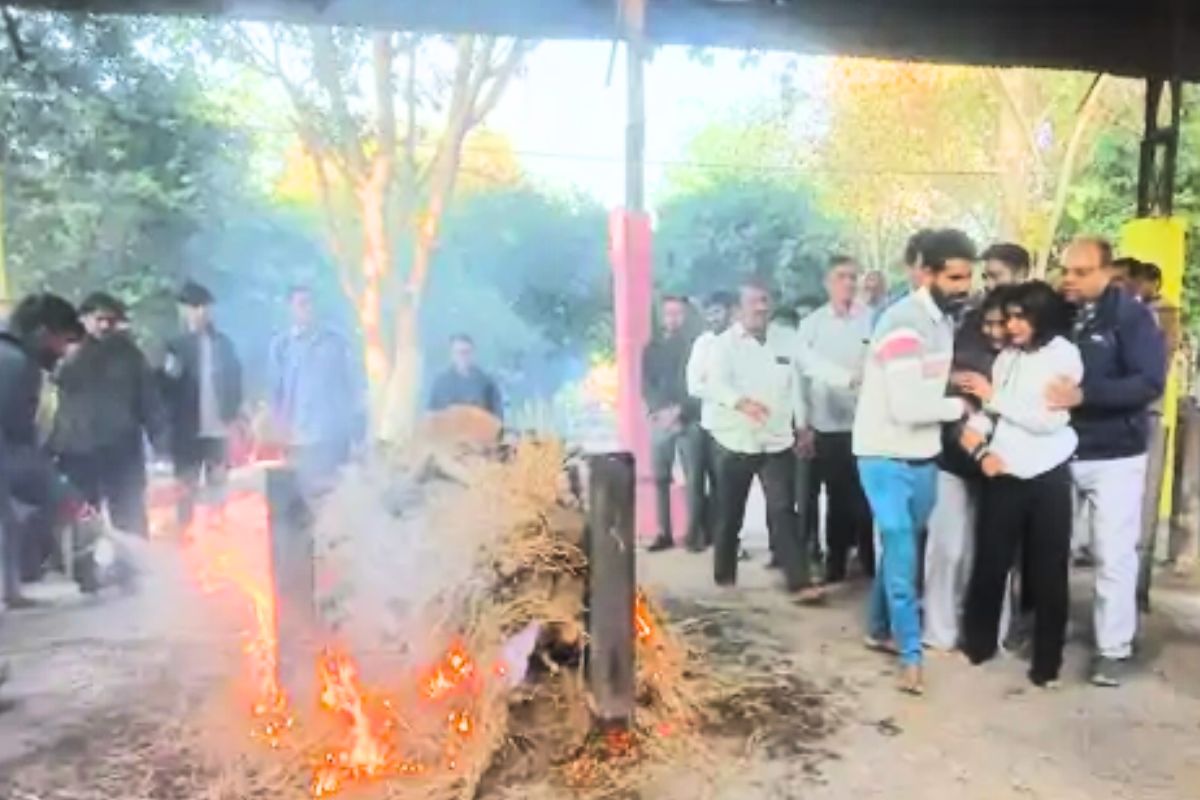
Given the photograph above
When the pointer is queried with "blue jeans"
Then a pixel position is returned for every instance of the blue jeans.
(901, 494)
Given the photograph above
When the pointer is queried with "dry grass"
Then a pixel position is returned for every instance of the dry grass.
(470, 560)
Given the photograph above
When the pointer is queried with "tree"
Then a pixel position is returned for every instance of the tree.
(110, 162)
(383, 118)
(707, 238)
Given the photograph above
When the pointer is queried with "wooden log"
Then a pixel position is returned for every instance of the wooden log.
(1185, 516)
(611, 586)
(292, 574)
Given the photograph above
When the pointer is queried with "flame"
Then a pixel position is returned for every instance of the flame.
(229, 549)
(229, 553)
(643, 620)
(370, 753)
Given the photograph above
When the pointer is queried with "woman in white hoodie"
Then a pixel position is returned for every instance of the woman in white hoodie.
(1024, 447)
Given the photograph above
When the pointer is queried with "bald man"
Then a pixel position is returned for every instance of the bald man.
(1125, 366)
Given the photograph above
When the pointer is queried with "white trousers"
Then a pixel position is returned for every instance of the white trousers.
(1111, 492)
(949, 554)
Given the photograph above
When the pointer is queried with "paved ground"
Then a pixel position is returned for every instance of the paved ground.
(980, 733)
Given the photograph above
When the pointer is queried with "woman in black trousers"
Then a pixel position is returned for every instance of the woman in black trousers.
(1024, 448)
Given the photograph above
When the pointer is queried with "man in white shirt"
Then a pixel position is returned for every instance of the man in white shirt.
(718, 313)
(832, 346)
(757, 408)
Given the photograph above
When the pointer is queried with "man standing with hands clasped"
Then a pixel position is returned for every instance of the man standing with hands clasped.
(757, 411)
(897, 437)
(833, 345)
(1125, 365)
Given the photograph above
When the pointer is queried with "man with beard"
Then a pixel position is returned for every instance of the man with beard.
(40, 331)
(897, 436)
(718, 313)
(107, 406)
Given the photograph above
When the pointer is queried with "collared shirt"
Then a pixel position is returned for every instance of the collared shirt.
(832, 348)
(764, 371)
(304, 365)
(903, 399)
(699, 372)
(211, 425)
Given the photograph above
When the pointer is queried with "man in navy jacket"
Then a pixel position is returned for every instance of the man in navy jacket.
(1125, 367)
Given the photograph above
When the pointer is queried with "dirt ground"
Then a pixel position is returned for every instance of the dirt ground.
(979, 733)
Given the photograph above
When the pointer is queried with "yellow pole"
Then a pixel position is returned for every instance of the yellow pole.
(1161, 241)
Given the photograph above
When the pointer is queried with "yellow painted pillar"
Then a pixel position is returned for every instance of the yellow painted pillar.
(1161, 241)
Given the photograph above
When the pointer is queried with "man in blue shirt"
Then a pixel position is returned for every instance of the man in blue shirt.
(316, 396)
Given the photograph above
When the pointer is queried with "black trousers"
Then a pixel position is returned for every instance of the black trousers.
(706, 485)
(113, 476)
(198, 459)
(777, 472)
(1033, 514)
(848, 523)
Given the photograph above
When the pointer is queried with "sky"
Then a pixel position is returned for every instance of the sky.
(565, 116)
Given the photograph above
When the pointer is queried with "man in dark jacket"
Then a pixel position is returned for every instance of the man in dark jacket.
(40, 331)
(202, 387)
(464, 383)
(674, 421)
(107, 404)
(1125, 365)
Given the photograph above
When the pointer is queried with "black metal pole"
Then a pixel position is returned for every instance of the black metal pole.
(612, 577)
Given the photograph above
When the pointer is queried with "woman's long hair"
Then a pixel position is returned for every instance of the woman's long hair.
(1043, 308)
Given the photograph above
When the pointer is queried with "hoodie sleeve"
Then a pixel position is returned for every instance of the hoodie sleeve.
(1142, 352)
(911, 398)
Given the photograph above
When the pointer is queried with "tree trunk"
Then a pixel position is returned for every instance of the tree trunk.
(1086, 109)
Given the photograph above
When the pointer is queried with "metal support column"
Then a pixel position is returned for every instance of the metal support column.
(1160, 147)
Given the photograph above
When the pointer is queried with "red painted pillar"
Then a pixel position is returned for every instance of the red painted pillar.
(630, 249)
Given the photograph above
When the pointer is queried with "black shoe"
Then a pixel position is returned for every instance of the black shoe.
(20, 601)
(743, 554)
(660, 544)
(774, 562)
(695, 547)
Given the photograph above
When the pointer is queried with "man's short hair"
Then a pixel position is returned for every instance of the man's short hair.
(195, 295)
(1102, 245)
(1012, 255)
(944, 245)
(103, 302)
(914, 251)
(675, 298)
(840, 260)
(1146, 271)
(44, 311)
(752, 280)
(722, 298)
(462, 338)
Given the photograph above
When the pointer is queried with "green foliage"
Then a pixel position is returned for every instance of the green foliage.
(109, 165)
(526, 274)
(708, 238)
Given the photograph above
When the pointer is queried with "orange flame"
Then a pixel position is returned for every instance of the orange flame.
(369, 754)
(230, 553)
(643, 620)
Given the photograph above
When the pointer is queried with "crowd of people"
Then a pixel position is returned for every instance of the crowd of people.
(962, 440)
(66, 463)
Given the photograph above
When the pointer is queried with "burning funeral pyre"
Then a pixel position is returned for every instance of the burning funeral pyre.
(446, 646)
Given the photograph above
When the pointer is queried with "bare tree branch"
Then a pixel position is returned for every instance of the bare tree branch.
(326, 71)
